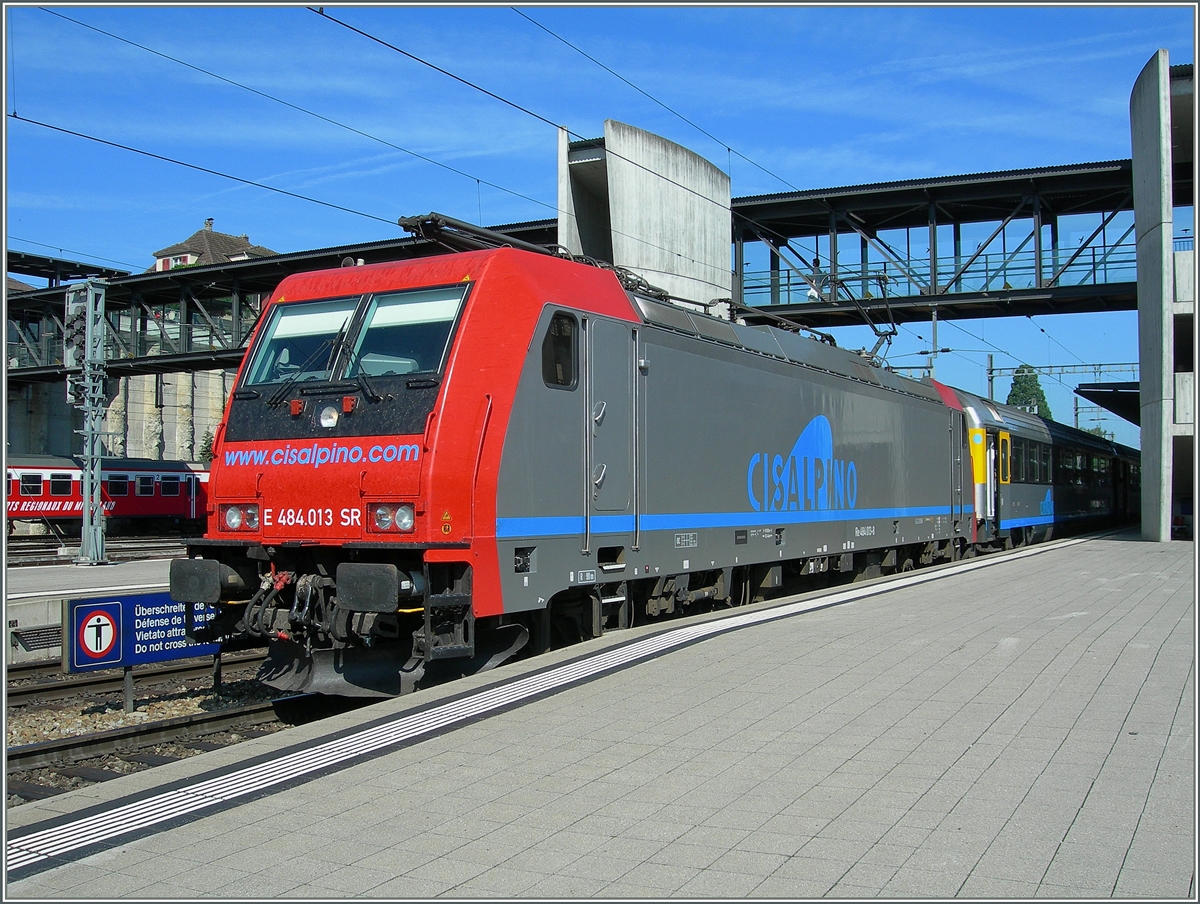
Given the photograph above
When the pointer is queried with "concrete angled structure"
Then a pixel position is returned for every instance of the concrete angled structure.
(1161, 120)
(639, 201)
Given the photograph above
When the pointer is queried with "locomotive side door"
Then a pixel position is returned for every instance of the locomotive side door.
(609, 419)
(958, 454)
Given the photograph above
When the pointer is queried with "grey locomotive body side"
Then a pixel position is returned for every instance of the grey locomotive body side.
(688, 447)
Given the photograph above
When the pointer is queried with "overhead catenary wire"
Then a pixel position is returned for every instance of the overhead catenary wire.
(1029, 317)
(321, 12)
(367, 135)
(61, 250)
(300, 109)
(729, 150)
(203, 169)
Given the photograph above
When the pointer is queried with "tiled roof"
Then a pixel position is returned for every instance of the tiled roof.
(15, 285)
(212, 247)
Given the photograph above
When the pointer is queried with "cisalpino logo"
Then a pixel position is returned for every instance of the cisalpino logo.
(809, 478)
(316, 454)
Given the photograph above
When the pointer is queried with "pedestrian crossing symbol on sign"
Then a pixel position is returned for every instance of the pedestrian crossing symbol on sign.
(97, 634)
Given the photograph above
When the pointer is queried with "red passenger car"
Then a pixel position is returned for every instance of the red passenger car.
(137, 493)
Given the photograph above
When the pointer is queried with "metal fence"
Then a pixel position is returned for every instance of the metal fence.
(1096, 265)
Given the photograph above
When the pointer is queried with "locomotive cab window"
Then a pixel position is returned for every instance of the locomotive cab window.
(407, 332)
(300, 341)
(560, 352)
(118, 485)
(60, 484)
(144, 485)
(31, 484)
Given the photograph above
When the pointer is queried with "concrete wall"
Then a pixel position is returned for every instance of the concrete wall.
(1150, 129)
(40, 421)
(667, 209)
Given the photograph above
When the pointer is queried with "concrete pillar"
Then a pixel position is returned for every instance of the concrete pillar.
(150, 417)
(1150, 128)
(185, 427)
(116, 421)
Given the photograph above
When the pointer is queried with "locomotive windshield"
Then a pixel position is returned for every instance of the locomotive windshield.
(300, 341)
(406, 332)
(390, 346)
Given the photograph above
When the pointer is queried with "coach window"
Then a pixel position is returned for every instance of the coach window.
(144, 485)
(31, 484)
(1032, 464)
(1047, 473)
(60, 484)
(560, 352)
(118, 485)
(168, 485)
(1018, 460)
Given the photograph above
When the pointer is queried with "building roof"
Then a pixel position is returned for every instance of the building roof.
(212, 247)
(15, 285)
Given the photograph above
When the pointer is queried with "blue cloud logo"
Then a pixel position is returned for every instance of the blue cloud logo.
(809, 478)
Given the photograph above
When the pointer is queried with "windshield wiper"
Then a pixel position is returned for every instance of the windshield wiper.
(368, 390)
(281, 393)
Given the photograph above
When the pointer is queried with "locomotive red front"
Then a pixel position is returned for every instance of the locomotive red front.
(356, 468)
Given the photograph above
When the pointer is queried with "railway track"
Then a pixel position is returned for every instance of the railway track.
(135, 737)
(37, 684)
(52, 550)
(48, 768)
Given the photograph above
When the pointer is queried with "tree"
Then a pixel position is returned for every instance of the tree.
(1026, 392)
(206, 449)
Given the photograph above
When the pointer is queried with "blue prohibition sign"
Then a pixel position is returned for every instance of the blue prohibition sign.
(97, 635)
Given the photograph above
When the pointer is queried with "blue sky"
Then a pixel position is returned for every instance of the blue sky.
(820, 96)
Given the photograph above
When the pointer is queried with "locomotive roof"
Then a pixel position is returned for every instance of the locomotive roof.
(777, 343)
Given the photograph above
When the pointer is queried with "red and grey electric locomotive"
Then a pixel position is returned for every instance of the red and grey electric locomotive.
(428, 467)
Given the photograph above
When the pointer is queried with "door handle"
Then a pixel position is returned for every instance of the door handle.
(598, 475)
(598, 411)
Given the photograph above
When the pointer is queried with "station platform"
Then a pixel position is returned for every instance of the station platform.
(1018, 725)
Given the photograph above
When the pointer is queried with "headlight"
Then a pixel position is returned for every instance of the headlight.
(383, 517)
(233, 517)
(240, 517)
(389, 516)
(329, 416)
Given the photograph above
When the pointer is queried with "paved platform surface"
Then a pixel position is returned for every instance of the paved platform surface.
(1024, 729)
(28, 581)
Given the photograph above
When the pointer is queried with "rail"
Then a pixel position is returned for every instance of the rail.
(131, 737)
(51, 550)
(43, 684)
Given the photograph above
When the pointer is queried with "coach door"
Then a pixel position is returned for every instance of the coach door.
(609, 472)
